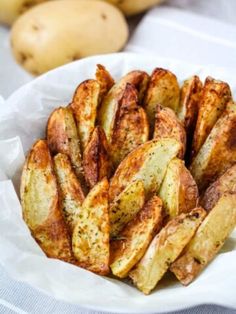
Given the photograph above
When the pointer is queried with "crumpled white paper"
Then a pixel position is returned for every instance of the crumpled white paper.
(20, 125)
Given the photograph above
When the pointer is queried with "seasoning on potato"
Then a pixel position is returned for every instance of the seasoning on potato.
(57, 32)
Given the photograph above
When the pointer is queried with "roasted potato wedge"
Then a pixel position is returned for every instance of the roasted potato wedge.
(215, 96)
(163, 89)
(62, 137)
(125, 206)
(178, 191)
(147, 163)
(165, 248)
(70, 191)
(208, 240)
(39, 200)
(131, 127)
(168, 125)
(96, 160)
(104, 79)
(84, 106)
(134, 239)
(90, 241)
(110, 104)
(224, 184)
(218, 153)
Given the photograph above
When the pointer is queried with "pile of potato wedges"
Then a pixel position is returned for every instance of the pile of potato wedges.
(135, 177)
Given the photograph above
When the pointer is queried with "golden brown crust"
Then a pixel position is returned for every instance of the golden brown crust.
(96, 161)
(39, 199)
(214, 98)
(168, 125)
(105, 81)
(131, 243)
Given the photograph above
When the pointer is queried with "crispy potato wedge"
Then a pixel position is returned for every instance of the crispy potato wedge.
(208, 240)
(39, 200)
(105, 80)
(165, 248)
(131, 127)
(84, 106)
(125, 206)
(179, 191)
(134, 239)
(96, 160)
(70, 191)
(218, 153)
(90, 241)
(147, 163)
(168, 125)
(215, 96)
(62, 137)
(110, 104)
(224, 184)
(163, 89)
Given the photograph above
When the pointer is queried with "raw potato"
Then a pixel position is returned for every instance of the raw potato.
(179, 191)
(70, 191)
(11, 9)
(105, 80)
(165, 248)
(57, 32)
(134, 239)
(208, 240)
(39, 200)
(148, 163)
(168, 125)
(126, 206)
(90, 241)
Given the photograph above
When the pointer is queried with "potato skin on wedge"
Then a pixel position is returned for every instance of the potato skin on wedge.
(207, 241)
(147, 163)
(134, 239)
(70, 191)
(165, 248)
(218, 153)
(96, 159)
(84, 106)
(39, 200)
(215, 96)
(163, 89)
(91, 235)
(125, 206)
(179, 191)
(105, 81)
(168, 125)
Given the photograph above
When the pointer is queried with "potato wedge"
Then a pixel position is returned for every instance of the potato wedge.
(215, 96)
(70, 191)
(134, 239)
(63, 138)
(218, 153)
(224, 184)
(163, 89)
(131, 127)
(105, 81)
(208, 240)
(168, 125)
(147, 163)
(39, 200)
(110, 104)
(84, 106)
(125, 206)
(165, 248)
(178, 191)
(96, 161)
(90, 241)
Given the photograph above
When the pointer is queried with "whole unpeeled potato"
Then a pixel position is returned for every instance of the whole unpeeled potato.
(57, 32)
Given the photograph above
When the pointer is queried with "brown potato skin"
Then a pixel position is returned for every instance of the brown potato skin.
(168, 125)
(96, 160)
(105, 81)
(214, 98)
(51, 232)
